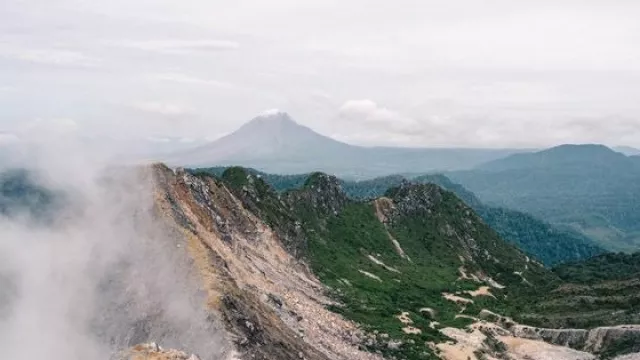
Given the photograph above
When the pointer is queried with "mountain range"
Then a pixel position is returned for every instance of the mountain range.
(589, 188)
(226, 267)
(275, 143)
(235, 264)
(585, 189)
(540, 240)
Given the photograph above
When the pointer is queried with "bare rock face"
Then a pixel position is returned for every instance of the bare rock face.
(593, 341)
(271, 305)
(411, 198)
(323, 192)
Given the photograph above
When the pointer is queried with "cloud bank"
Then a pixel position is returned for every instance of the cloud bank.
(97, 272)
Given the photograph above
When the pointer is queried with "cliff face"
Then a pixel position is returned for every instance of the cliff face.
(272, 307)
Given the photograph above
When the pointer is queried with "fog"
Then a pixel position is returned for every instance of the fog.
(103, 272)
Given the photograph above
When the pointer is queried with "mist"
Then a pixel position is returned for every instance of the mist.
(101, 271)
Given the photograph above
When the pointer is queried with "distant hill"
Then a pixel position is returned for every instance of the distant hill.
(21, 195)
(275, 143)
(590, 188)
(537, 238)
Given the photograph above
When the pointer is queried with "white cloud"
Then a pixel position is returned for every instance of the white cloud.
(163, 108)
(46, 130)
(49, 56)
(366, 123)
(56, 125)
(8, 138)
(176, 46)
(188, 79)
(157, 139)
(369, 113)
(416, 73)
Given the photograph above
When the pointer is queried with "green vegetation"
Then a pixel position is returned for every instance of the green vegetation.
(349, 245)
(548, 244)
(544, 242)
(352, 252)
(604, 290)
(588, 188)
(606, 267)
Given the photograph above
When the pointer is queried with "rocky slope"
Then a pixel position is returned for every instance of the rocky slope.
(227, 268)
(271, 304)
(312, 274)
(540, 240)
(372, 258)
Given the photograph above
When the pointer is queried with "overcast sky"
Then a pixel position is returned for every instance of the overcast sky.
(374, 72)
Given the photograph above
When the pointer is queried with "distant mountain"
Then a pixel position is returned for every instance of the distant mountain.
(559, 156)
(590, 188)
(535, 237)
(275, 143)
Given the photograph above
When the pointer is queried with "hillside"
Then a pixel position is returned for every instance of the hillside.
(602, 291)
(589, 188)
(275, 143)
(537, 238)
(375, 256)
(549, 244)
(227, 268)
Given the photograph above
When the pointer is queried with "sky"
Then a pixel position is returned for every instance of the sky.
(495, 73)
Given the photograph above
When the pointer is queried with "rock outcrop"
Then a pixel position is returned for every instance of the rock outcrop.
(273, 307)
(595, 341)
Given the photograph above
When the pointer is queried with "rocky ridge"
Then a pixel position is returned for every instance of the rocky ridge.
(272, 306)
(260, 257)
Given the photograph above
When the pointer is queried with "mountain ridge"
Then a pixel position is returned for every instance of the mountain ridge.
(274, 142)
(597, 187)
(551, 245)
(359, 249)
(561, 155)
(310, 273)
